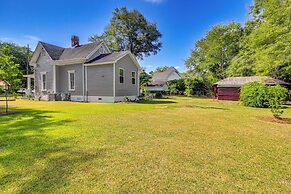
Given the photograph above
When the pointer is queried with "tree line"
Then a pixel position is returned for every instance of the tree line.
(262, 46)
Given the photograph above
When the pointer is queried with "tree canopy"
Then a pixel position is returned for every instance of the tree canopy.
(130, 30)
(10, 72)
(261, 47)
(212, 54)
(21, 55)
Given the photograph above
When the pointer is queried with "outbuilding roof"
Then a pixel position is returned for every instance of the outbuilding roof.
(239, 81)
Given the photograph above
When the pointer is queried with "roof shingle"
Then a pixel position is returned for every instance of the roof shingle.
(239, 81)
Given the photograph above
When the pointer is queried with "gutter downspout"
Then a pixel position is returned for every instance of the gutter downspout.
(83, 70)
(114, 64)
(86, 87)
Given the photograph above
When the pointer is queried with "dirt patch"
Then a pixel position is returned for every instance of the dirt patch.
(275, 120)
(8, 113)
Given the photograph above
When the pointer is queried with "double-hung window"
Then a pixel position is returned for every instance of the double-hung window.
(133, 77)
(121, 75)
(43, 81)
(71, 76)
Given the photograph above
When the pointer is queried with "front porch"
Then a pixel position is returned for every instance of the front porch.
(28, 88)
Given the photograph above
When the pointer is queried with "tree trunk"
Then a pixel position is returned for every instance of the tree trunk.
(6, 99)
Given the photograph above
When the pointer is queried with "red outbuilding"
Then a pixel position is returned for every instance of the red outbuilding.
(229, 88)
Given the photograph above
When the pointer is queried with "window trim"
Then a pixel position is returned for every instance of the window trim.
(43, 89)
(120, 76)
(133, 77)
(69, 80)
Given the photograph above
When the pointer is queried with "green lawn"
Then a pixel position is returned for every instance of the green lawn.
(177, 145)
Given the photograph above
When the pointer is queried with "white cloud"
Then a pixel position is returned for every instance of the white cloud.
(154, 1)
(22, 40)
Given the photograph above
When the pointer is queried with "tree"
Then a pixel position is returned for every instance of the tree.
(21, 55)
(129, 30)
(212, 54)
(144, 78)
(10, 72)
(266, 46)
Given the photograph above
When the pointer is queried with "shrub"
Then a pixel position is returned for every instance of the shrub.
(173, 89)
(158, 95)
(277, 95)
(176, 86)
(254, 94)
(145, 93)
(194, 86)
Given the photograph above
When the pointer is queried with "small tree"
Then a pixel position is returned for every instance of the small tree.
(254, 94)
(173, 88)
(10, 73)
(144, 78)
(277, 96)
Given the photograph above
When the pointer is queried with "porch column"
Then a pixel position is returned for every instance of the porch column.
(28, 84)
(55, 77)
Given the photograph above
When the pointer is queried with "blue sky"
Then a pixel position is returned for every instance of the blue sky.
(181, 22)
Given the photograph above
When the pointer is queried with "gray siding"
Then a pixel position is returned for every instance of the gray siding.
(43, 65)
(98, 52)
(62, 79)
(127, 88)
(100, 80)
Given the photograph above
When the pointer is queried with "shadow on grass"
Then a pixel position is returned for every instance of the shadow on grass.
(33, 161)
(211, 107)
(156, 102)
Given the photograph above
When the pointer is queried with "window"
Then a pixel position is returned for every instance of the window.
(42, 52)
(121, 76)
(102, 51)
(43, 81)
(133, 77)
(71, 80)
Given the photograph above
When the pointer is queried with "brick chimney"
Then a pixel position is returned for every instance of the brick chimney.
(75, 41)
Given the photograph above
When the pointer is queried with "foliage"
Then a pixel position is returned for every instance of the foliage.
(267, 41)
(261, 47)
(129, 30)
(10, 72)
(176, 86)
(277, 96)
(173, 89)
(254, 94)
(195, 87)
(158, 95)
(145, 92)
(21, 55)
(213, 53)
(144, 78)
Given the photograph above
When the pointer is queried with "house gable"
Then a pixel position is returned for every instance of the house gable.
(173, 76)
(99, 50)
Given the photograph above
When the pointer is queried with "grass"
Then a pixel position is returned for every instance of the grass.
(175, 145)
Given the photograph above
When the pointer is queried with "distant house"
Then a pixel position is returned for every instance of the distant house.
(160, 79)
(3, 85)
(89, 72)
(229, 88)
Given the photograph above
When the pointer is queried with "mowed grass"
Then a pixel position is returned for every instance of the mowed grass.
(175, 145)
